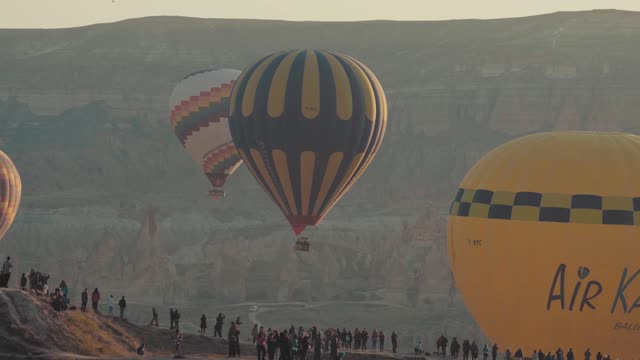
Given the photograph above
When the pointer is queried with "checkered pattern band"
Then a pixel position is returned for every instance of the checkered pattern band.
(533, 206)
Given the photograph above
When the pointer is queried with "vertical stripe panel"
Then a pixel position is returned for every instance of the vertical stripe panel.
(344, 101)
(262, 169)
(282, 167)
(307, 166)
(249, 96)
(275, 106)
(249, 163)
(329, 176)
(311, 87)
(367, 89)
(344, 185)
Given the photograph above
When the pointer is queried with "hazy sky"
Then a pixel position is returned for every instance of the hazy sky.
(69, 13)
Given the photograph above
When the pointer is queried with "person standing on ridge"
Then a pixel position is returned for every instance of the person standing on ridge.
(254, 333)
(380, 340)
(154, 319)
(172, 317)
(474, 350)
(304, 346)
(374, 339)
(485, 352)
(261, 344)
(217, 331)
(394, 342)
(455, 348)
(85, 299)
(5, 273)
(179, 338)
(519, 355)
(231, 337)
(23, 282)
(507, 354)
(176, 319)
(63, 287)
(494, 352)
(95, 299)
(570, 355)
(466, 349)
(587, 355)
(203, 324)
(317, 348)
(272, 343)
(123, 305)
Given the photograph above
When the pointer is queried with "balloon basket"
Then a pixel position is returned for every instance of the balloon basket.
(217, 193)
(302, 244)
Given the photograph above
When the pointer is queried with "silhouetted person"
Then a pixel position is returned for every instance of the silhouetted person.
(381, 338)
(455, 348)
(232, 337)
(254, 333)
(466, 349)
(23, 282)
(518, 355)
(63, 287)
(123, 305)
(394, 342)
(587, 355)
(95, 299)
(485, 352)
(272, 344)
(217, 331)
(261, 344)
(154, 319)
(317, 348)
(178, 342)
(570, 355)
(474, 350)
(176, 319)
(203, 324)
(304, 346)
(494, 352)
(172, 318)
(5, 273)
(85, 299)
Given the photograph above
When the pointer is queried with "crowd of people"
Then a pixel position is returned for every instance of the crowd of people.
(292, 344)
(289, 344)
(471, 350)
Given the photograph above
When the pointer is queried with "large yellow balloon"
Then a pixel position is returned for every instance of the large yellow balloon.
(544, 241)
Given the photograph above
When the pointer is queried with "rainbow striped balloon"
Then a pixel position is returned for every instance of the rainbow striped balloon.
(199, 116)
(10, 193)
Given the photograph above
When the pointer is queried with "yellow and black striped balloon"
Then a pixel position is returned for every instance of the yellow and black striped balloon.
(10, 193)
(307, 123)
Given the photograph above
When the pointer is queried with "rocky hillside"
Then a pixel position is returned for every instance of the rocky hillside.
(31, 329)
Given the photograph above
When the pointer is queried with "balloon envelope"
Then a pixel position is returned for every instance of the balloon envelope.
(10, 193)
(307, 124)
(544, 237)
(199, 116)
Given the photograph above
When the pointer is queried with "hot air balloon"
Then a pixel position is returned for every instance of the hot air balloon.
(199, 117)
(10, 193)
(307, 123)
(544, 237)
